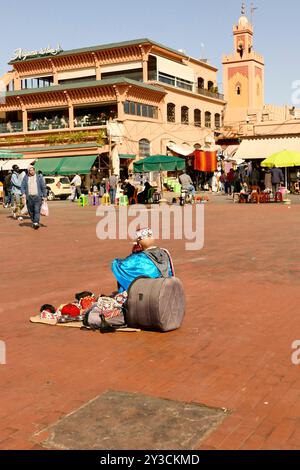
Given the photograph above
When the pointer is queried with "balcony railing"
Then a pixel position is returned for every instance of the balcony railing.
(48, 124)
(211, 94)
(89, 121)
(11, 127)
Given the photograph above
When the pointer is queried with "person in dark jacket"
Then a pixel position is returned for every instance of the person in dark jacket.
(129, 189)
(277, 179)
(143, 196)
(34, 189)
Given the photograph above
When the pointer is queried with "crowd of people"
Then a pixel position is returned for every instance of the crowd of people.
(247, 176)
(136, 191)
(62, 121)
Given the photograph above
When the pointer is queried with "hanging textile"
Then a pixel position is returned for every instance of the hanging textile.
(205, 161)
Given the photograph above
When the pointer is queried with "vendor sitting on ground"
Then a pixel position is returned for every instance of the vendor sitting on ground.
(128, 189)
(244, 193)
(146, 260)
(143, 196)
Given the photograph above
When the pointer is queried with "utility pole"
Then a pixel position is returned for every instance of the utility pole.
(110, 156)
(253, 8)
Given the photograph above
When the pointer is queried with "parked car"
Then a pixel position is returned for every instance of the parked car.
(58, 187)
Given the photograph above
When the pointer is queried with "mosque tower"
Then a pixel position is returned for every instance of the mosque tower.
(243, 75)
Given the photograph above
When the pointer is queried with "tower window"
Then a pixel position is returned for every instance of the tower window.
(238, 89)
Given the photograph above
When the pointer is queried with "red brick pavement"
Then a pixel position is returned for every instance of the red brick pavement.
(233, 351)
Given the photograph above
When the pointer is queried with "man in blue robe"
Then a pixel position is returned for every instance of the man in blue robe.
(146, 260)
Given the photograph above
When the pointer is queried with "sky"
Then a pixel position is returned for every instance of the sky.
(202, 28)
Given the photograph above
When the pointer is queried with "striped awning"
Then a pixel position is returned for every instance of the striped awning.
(262, 148)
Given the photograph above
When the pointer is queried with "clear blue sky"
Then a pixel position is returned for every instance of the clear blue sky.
(178, 24)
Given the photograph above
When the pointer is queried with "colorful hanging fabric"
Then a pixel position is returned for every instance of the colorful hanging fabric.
(205, 161)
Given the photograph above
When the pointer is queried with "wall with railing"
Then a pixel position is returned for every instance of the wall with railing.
(11, 127)
(210, 94)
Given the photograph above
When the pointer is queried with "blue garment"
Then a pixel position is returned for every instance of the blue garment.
(15, 184)
(34, 208)
(42, 190)
(136, 265)
(112, 194)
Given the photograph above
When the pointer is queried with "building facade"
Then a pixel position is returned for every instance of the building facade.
(116, 101)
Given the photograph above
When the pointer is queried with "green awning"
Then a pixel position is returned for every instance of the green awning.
(49, 166)
(9, 154)
(159, 163)
(81, 165)
(127, 156)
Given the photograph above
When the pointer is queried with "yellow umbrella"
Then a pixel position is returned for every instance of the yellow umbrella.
(283, 159)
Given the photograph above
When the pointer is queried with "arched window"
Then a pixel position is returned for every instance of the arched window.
(171, 112)
(238, 89)
(197, 118)
(197, 147)
(201, 83)
(144, 148)
(210, 86)
(184, 115)
(217, 121)
(207, 119)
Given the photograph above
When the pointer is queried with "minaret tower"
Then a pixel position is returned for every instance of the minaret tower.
(243, 74)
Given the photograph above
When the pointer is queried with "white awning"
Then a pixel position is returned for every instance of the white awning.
(82, 73)
(175, 69)
(22, 164)
(184, 150)
(230, 151)
(121, 67)
(261, 148)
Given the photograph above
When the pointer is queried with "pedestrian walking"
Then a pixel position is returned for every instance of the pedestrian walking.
(76, 182)
(15, 185)
(35, 191)
(113, 182)
(8, 198)
(277, 179)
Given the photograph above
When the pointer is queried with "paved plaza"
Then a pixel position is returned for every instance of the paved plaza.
(233, 351)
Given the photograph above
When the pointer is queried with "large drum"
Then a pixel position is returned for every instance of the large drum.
(156, 304)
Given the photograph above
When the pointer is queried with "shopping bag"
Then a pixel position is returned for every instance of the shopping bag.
(24, 210)
(45, 209)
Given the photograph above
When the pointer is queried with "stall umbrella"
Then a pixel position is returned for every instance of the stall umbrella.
(284, 159)
(159, 163)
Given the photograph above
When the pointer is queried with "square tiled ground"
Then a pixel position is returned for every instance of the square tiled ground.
(120, 420)
(234, 349)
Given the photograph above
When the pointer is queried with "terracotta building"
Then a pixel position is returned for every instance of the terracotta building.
(252, 128)
(115, 102)
(243, 75)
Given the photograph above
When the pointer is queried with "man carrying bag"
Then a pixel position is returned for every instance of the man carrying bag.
(34, 188)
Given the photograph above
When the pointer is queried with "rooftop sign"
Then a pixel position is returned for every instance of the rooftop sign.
(23, 54)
